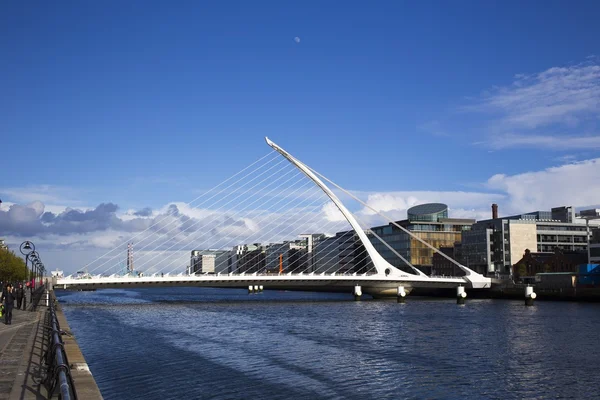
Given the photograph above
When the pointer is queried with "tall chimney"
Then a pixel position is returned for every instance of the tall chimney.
(494, 211)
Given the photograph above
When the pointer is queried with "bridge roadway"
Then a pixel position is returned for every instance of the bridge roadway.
(375, 284)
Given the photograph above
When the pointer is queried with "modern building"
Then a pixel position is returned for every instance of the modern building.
(325, 256)
(209, 261)
(595, 253)
(286, 257)
(494, 245)
(247, 258)
(429, 222)
(441, 266)
(311, 240)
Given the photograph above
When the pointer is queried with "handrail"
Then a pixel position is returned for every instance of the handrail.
(59, 372)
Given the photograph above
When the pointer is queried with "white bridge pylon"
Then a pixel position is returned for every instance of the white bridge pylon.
(384, 268)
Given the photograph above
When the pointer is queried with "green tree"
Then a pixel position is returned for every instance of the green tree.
(12, 267)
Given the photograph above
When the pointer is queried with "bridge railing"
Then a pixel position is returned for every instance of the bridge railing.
(59, 372)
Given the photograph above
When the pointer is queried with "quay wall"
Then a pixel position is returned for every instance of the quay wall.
(84, 382)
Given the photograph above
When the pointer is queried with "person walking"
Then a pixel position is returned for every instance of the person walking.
(20, 292)
(9, 303)
(25, 299)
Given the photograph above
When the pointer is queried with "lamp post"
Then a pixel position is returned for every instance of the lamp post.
(35, 260)
(26, 249)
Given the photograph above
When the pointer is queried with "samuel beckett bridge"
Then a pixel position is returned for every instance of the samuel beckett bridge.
(273, 201)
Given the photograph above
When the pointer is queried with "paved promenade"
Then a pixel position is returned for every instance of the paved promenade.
(21, 356)
(22, 347)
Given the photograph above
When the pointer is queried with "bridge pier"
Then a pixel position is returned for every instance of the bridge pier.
(461, 295)
(401, 294)
(250, 289)
(529, 295)
(357, 292)
(260, 288)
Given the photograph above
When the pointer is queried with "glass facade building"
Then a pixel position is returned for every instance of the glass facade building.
(430, 223)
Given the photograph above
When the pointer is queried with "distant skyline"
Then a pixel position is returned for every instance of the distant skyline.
(114, 113)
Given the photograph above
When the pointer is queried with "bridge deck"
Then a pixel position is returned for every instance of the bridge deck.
(320, 282)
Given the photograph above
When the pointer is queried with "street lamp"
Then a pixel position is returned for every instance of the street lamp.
(594, 213)
(35, 259)
(26, 249)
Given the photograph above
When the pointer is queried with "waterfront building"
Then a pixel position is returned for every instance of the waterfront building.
(595, 253)
(209, 261)
(441, 266)
(289, 256)
(343, 253)
(247, 258)
(431, 223)
(494, 245)
(325, 254)
(3, 246)
(311, 241)
(559, 261)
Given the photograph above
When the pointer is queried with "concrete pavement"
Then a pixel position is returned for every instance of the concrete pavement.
(22, 348)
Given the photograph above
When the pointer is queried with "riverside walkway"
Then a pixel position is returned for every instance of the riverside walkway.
(23, 345)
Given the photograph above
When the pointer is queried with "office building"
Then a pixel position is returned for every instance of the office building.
(493, 246)
(289, 256)
(209, 261)
(429, 222)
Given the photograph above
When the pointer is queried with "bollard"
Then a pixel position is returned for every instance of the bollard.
(461, 295)
(401, 294)
(529, 295)
(47, 300)
(357, 292)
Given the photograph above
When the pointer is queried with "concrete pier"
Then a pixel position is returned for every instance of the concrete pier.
(22, 347)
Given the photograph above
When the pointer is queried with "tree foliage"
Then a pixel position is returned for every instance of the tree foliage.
(12, 267)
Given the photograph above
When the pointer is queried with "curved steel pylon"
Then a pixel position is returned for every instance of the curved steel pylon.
(381, 265)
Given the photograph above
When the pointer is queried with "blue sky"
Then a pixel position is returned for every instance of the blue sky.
(141, 104)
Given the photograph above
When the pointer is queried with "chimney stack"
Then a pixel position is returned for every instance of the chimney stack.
(494, 211)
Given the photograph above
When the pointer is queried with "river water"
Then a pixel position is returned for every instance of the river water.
(197, 343)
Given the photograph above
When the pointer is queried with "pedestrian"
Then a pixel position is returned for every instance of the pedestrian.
(20, 292)
(9, 303)
(24, 299)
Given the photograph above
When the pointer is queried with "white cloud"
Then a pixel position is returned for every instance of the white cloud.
(47, 194)
(562, 96)
(554, 142)
(554, 109)
(573, 184)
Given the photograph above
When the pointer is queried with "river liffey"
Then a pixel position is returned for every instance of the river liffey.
(195, 343)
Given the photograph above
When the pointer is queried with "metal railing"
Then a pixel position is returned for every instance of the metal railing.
(59, 372)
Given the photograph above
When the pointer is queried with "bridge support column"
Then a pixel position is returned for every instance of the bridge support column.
(529, 295)
(255, 288)
(461, 295)
(250, 289)
(357, 292)
(260, 288)
(401, 294)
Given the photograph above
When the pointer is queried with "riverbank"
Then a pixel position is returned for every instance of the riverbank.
(23, 345)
